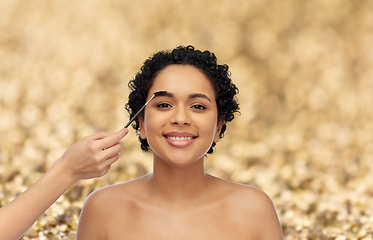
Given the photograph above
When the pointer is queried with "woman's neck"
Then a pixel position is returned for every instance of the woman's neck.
(178, 184)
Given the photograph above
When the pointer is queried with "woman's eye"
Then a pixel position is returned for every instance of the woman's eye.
(198, 106)
(163, 105)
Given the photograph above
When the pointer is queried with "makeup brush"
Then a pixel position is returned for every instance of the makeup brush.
(154, 95)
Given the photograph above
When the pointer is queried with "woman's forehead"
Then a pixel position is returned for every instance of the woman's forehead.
(182, 78)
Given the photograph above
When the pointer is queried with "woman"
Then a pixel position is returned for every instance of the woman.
(89, 158)
(179, 200)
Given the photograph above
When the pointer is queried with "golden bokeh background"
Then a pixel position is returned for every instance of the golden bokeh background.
(305, 74)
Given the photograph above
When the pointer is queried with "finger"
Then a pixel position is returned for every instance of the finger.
(108, 163)
(112, 159)
(106, 170)
(112, 150)
(103, 154)
(98, 136)
(113, 138)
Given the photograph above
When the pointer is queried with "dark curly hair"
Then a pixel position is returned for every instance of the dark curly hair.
(219, 76)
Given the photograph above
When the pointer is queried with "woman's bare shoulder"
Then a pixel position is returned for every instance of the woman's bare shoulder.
(251, 206)
(104, 208)
(241, 192)
(249, 194)
(110, 196)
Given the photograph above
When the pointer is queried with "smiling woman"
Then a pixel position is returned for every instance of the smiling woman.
(181, 125)
(189, 113)
(218, 75)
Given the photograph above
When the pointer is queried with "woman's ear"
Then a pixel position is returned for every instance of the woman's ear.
(142, 129)
(218, 130)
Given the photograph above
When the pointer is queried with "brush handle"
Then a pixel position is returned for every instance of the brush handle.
(133, 118)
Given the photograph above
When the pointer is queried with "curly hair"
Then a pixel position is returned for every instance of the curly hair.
(206, 62)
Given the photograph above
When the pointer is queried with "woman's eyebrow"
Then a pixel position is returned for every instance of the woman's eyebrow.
(193, 95)
(165, 94)
(199, 95)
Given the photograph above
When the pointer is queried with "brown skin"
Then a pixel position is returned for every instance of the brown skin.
(179, 200)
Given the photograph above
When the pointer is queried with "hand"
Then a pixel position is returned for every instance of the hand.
(92, 156)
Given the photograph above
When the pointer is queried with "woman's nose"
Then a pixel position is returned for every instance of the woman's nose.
(180, 116)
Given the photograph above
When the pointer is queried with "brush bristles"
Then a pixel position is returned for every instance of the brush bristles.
(160, 93)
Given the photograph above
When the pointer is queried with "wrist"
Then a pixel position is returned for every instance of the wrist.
(64, 171)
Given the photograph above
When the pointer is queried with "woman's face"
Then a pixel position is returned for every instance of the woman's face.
(181, 125)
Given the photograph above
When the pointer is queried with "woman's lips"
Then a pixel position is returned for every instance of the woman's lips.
(180, 143)
(180, 139)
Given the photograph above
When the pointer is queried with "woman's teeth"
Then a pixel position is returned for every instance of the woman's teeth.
(179, 138)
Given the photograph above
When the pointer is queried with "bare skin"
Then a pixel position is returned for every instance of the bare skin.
(179, 200)
(89, 158)
(225, 211)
